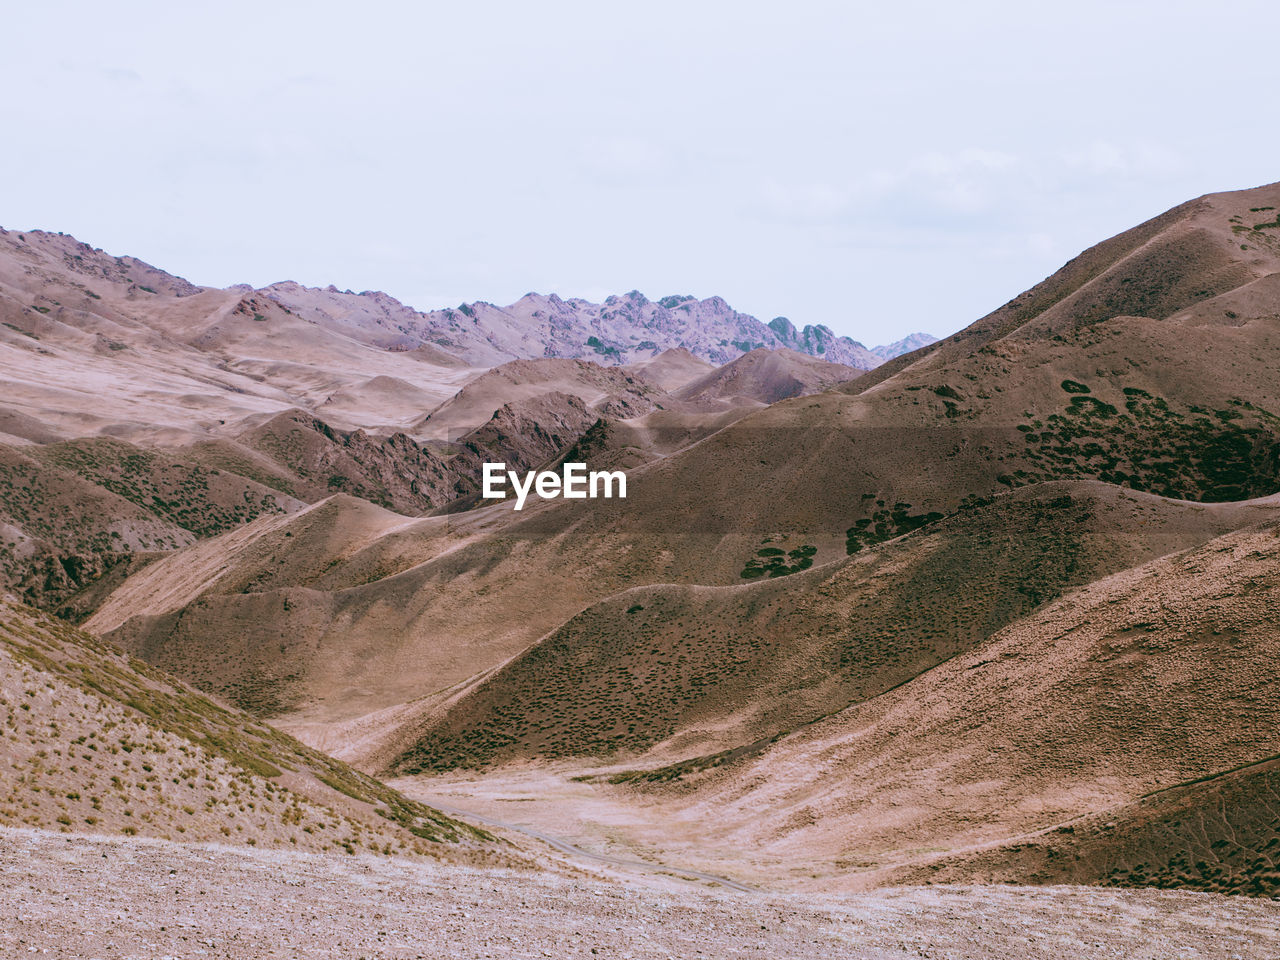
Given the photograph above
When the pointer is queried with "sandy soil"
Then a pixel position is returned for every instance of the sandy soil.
(89, 897)
(548, 801)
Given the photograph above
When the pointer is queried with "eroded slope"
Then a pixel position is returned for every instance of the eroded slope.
(95, 741)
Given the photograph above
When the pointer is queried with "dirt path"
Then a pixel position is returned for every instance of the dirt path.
(564, 846)
(83, 897)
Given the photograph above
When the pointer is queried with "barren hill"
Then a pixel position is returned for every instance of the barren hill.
(1216, 833)
(92, 343)
(97, 742)
(1196, 260)
(906, 345)
(767, 376)
(902, 622)
(156, 353)
(1101, 706)
(609, 391)
(206, 408)
(672, 368)
(76, 509)
(1170, 406)
(694, 670)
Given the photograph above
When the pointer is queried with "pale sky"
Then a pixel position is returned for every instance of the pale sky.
(880, 168)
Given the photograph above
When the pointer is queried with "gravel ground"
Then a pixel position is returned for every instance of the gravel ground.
(82, 897)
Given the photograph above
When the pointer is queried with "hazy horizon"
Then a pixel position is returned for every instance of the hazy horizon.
(881, 172)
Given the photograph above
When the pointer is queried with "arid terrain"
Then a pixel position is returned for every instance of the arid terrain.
(962, 651)
(157, 899)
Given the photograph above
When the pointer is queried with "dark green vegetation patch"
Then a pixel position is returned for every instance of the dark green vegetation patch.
(885, 524)
(772, 562)
(1182, 452)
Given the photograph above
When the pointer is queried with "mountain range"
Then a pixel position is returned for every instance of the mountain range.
(622, 329)
(998, 609)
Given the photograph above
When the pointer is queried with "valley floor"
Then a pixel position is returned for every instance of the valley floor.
(80, 897)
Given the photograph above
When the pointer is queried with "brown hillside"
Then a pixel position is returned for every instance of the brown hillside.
(92, 344)
(1171, 419)
(1216, 833)
(97, 742)
(672, 369)
(832, 471)
(767, 376)
(1193, 253)
(699, 670)
(1136, 683)
(394, 472)
(595, 386)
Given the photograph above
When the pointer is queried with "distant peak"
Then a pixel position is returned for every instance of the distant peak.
(674, 300)
(907, 344)
(784, 328)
